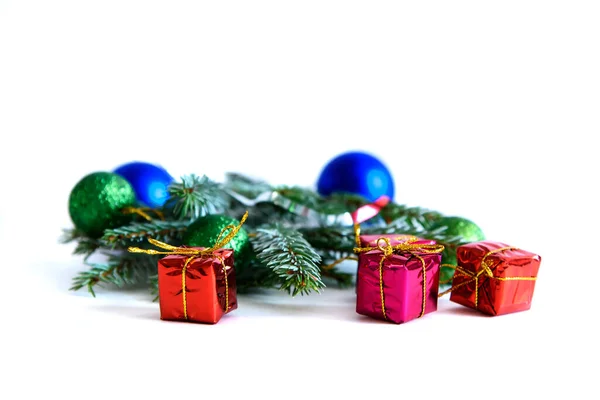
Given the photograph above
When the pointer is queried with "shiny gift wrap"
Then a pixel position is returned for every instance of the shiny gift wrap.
(196, 290)
(494, 278)
(399, 293)
(195, 283)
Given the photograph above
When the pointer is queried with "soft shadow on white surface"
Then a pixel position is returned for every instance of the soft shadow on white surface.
(123, 311)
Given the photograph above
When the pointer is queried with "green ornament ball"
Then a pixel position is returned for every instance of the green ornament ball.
(205, 231)
(97, 200)
(456, 226)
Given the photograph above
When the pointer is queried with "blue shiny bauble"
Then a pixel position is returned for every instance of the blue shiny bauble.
(358, 173)
(149, 181)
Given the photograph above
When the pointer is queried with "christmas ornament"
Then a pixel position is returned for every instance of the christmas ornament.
(357, 173)
(97, 202)
(150, 182)
(205, 231)
(456, 226)
(494, 278)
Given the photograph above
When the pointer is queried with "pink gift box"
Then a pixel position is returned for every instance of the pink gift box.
(401, 280)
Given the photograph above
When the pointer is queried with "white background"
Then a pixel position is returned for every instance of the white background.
(480, 109)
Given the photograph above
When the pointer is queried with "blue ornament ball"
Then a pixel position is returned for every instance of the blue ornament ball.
(149, 181)
(357, 173)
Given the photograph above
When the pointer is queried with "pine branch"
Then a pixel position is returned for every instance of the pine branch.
(153, 283)
(70, 235)
(194, 197)
(339, 203)
(119, 270)
(291, 204)
(339, 239)
(256, 275)
(166, 231)
(265, 213)
(285, 251)
(334, 204)
(246, 186)
(300, 195)
(344, 280)
(415, 217)
(85, 245)
(330, 271)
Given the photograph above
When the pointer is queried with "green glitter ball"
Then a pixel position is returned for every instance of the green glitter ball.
(457, 226)
(96, 202)
(205, 230)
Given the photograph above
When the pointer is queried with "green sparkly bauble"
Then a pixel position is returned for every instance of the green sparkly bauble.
(457, 226)
(205, 231)
(96, 202)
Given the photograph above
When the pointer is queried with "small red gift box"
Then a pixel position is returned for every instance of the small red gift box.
(494, 278)
(197, 289)
(398, 277)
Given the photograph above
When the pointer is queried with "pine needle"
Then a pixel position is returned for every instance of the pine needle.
(194, 197)
(166, 231)
(292, 259)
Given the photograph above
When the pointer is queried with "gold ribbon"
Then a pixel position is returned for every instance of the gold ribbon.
(222, 240)
(485, 272)
(357, 234)
(143, 212)
(409, 246)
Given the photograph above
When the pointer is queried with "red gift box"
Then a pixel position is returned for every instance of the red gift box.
(398, 277)
(197, 289)
(494, 278)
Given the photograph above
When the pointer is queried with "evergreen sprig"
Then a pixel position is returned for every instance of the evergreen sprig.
(300, 195)
(255, 275)
(194, 197)
(339, 203)
(153, 283)
(330, 270)
(245, 186)
(342, 279)
(290, 257)
(86, 246)
(119, 270)
(412, 217)
(166, 231)
(327, 238)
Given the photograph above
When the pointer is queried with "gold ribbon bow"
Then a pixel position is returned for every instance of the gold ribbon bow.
(485, 272)
(409, 246)
(222, 240)
(143, 212)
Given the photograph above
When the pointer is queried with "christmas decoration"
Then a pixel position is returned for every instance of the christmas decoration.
(208, 290)
(460, 227)
(398, 277)
(494, 278)
(357, 173)
(150, 182)
(205, 230)
(295, 234)
(97, 202)
(196, 284)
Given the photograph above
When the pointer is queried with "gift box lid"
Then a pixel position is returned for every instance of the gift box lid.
(398, 260)
(371, 240)
(509, 262)
(175, 260)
